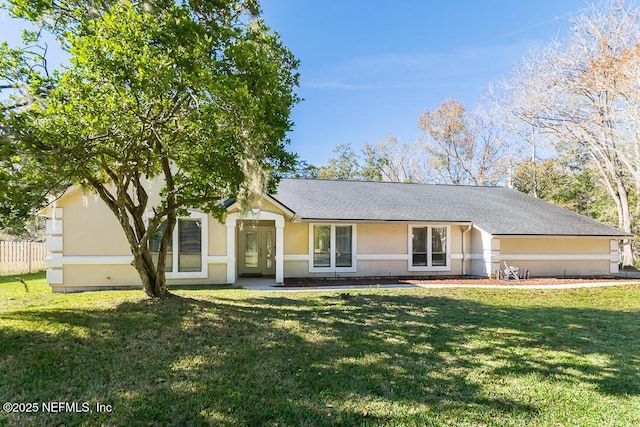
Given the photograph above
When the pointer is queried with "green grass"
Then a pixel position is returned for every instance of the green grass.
(410, 357)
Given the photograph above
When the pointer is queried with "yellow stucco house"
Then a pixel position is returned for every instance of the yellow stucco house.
(327, 228)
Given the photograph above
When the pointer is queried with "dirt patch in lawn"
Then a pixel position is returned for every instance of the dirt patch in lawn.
(454, 280)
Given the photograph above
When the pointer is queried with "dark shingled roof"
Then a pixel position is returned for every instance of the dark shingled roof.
(496, 210)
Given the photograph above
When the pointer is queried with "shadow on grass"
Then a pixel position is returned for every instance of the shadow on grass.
(325, 360)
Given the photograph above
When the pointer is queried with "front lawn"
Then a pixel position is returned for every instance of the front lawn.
(374, 357)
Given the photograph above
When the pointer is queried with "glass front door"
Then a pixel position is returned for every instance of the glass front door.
(256, 251)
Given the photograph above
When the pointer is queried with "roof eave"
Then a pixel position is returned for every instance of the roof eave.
(286, 210)
(608, 236)
(398, 221)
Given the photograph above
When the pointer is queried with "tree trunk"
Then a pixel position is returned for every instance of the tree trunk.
(627, 250)
(618, 191)
(160, 284)
(153, 278)
(152, 286)
(138, 235)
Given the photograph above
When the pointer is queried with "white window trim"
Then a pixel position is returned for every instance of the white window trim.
(428, 267)
(332, 268)
(203, 273)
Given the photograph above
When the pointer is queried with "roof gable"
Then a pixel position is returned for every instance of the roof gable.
(497, 210)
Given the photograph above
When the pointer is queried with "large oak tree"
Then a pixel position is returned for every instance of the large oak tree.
(581, 95)
(194, 93)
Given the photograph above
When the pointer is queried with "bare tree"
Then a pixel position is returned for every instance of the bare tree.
(462, 150)
(583, 92)
(394, 161)
(515, 103)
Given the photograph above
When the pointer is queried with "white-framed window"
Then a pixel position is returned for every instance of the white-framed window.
(187, 253)
(332, 248)
(429, 248)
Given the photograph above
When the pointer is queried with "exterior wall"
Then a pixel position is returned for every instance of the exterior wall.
(400, 268)
(296, 239)
(561, 256)
(392, 268)
(484, 253)
(466, 250)
(95, 230)
(382, 238)
(79, 277)
(562, 268)
(91, 227)
(477, 246)
(87, 249)
(553, 245)
(216, 275)
(122, 276)
(382, 250)
(552, 256)
(297, 268)
(217, 239)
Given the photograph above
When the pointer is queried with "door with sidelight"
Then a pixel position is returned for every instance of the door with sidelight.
(257, 249)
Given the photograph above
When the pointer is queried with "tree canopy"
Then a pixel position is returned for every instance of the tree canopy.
(589, 105)
(195, 93)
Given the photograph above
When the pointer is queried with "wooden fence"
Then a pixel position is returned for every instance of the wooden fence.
(22, 257)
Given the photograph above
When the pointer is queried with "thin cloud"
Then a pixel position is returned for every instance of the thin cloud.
(413, 71)
(566, 19)
(527, 29)
(337, 85)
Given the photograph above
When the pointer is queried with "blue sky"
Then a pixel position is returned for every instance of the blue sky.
(370, 68)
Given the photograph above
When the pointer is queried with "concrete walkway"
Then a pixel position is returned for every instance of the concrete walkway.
(267, 284)
(525, 286)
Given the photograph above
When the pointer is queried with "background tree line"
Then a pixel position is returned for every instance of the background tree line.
(564, 126)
